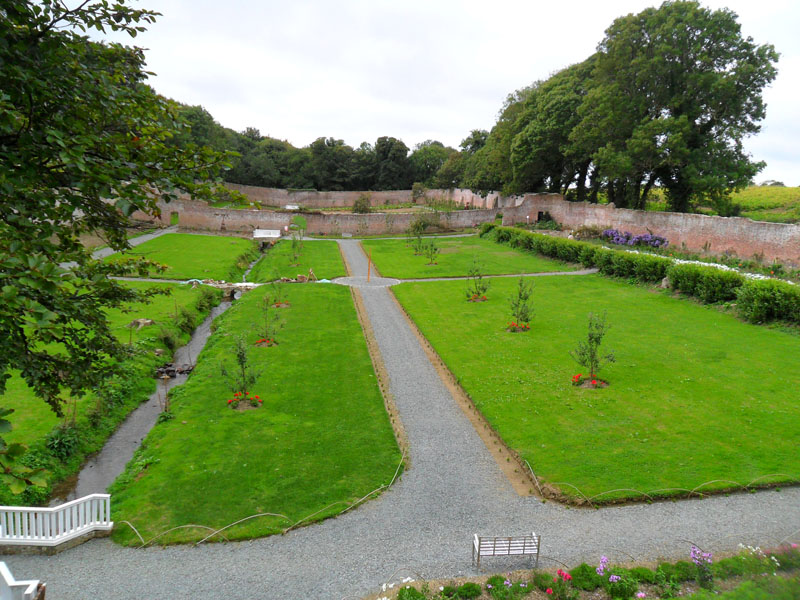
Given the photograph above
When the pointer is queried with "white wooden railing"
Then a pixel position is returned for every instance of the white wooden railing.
(11, 589)
(34, 526)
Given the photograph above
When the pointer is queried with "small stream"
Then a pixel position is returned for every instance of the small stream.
(100, 470)
(250, 267)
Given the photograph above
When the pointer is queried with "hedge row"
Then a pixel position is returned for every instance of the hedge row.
(757, 300)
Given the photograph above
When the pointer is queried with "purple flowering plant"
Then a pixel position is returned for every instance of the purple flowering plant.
(626, 238)
(703, 562)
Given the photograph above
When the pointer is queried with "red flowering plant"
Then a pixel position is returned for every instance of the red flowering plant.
(588, 355)
(252, 399)
(241, 377)
(562, 587)
(514, 326)
(476, 284)
(521, 309)
(271, 322)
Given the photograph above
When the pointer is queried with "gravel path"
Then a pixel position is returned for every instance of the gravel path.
(423, 525)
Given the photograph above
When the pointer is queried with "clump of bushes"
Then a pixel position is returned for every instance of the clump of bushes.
(757, 300)
(362, 204)
(587, 232)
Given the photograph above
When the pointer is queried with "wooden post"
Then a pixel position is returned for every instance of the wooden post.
(369, 264)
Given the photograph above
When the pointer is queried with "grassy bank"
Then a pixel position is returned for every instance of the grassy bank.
(97, 414)
(321, 439)
(695, 395)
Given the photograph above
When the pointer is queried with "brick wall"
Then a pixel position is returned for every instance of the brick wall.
(743, 237)
(198, 215)
(312, 199)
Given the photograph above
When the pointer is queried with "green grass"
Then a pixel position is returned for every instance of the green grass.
(322, 256)
(132, 383)
(394, 258)
(32, 418)
(321, 437)
(695, 394)
(190, 256)
(760, 203)
(770, 203)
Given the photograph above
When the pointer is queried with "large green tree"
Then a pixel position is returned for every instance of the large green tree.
(426, 160)
(675, 91)
(84, 142)
(393, 169)
(542, 156)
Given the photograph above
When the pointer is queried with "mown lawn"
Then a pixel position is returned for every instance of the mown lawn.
(32, 418)
(189, 256)
(322, 436)
(321, 256)
(695, 394)
(394, 258)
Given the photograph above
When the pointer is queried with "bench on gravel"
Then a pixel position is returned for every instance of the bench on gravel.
(515, 545)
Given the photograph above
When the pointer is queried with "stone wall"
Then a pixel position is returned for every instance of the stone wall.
(716, 235)
(198, 215)
(311, 199)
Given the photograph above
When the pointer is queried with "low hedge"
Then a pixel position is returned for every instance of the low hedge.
(757, 300)
(760, 300)
(645, 268)
(707, 283)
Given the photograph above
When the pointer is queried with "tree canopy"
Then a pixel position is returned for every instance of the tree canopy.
(84, 142)
(667, 100)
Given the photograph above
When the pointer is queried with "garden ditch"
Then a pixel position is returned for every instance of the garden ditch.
(101, 469)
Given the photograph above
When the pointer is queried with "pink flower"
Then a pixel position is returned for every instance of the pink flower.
(548, 591)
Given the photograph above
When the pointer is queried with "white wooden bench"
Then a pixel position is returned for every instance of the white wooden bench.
(515, 545)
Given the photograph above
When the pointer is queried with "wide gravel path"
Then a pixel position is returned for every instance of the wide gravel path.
(423, 525)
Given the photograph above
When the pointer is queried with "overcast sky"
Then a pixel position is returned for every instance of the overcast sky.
(416, 70)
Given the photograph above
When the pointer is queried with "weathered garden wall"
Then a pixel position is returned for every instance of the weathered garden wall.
(718, 235)
(198, 215)
(312, 199)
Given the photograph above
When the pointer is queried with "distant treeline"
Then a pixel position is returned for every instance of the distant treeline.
(664, 102)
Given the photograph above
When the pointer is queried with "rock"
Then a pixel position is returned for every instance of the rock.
(665, 283)
(158, 351)
(139, 323)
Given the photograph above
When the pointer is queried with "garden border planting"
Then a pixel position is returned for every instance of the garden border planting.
(757, 300)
